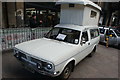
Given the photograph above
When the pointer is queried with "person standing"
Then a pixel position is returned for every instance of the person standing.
(33, 22)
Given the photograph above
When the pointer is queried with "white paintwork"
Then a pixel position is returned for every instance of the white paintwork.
(76, 27)
(87, 20)
(48, 49)
(61, 53)
(80, 13)
(57, 52)
(82, 2)
(71, 15)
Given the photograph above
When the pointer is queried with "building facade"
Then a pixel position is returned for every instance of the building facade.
(17, 14)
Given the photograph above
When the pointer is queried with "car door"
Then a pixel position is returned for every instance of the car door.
(102, 34)
(84, 46)
(112, 38)
(85, 43)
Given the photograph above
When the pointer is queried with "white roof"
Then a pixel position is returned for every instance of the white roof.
(75, 27)
(83, 2)
(106, 28)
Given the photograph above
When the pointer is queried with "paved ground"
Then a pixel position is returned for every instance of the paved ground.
(104, 64)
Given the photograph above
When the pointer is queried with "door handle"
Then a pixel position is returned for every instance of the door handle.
(88, 43)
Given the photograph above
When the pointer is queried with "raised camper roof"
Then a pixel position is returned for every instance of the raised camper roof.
(79, 12)
(82, 2)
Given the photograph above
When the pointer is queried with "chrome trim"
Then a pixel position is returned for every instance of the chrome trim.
(33, 63)
(27, 54)
(39, 71)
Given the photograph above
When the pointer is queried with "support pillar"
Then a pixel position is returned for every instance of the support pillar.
(11, 14)
(20, 14)
(0, 41)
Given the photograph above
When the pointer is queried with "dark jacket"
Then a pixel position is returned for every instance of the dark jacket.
(33, 23)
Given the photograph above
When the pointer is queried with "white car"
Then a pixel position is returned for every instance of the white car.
(112, 34)
(59, 51)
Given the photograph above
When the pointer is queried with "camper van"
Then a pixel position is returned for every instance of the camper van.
(64, 46)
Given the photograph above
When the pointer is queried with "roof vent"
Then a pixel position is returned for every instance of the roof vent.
(71, 5)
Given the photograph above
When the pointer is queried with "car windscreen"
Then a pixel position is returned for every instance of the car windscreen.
(117, 32)
(64, 34)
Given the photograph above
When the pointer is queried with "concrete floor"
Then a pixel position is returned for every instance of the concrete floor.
(104, 64)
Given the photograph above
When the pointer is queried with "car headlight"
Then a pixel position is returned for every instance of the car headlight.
(16, 51)
(39, 65)
(44, 65)
(17, 55)
(49, 66)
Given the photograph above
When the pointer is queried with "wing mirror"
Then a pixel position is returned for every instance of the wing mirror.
(83, 41)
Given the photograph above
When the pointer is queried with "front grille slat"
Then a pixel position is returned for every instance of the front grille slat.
(34, 60)
(31, 61)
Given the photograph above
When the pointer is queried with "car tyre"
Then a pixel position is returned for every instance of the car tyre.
(93, 52)
(66, 72)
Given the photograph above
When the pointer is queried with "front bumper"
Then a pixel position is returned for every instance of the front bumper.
(32, 66)
(33, 69)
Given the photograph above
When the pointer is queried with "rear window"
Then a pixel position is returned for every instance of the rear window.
(102, 31)
(94, 33)
(93, 14)
(117, 32)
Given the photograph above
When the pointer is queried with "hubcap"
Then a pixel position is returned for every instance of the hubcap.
(66, 72)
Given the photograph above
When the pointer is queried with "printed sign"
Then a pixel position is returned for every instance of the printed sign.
(61, 36)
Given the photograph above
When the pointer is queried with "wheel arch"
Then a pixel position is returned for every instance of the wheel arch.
(72, 60)
(94, 47)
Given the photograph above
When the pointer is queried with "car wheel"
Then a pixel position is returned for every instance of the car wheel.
(93, 52)
(66, 72)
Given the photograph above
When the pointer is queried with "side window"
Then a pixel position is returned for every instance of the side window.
(93, 14)
(112, 33)
(84, 36)
(107, 32)
(102, 31)
(94, 33)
